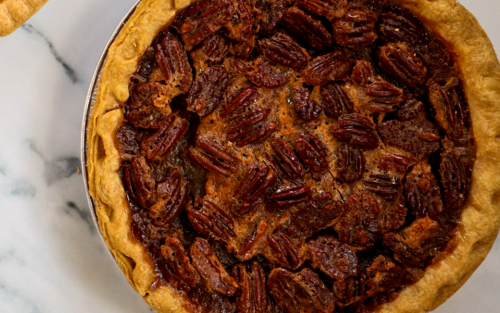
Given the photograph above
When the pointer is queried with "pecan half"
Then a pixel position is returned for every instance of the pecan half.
(156, 145)
(252, 297)
(362, 73)
(250, 246)
(207, 301)
(356, 28)
(422, 192)
(326, 68)
(212, 51)
(397, 163)
(393, 215)
(384, 185)
(335, 100)
(413, 275)
(147, 65)
(286, 161)
(258, 180)
(291, 196)
(450, 111)
(395, 27)
(330, 256)
(312, 151)
(174, 64)
(418, 136)
(269, 14)
(240, 24)
(267, 76)
(384, 275)
(331, 9)
(242, 100)
(283, 50)
(301, 292)
(214, 157)
(304, 27)
(411, 245)
(357, 130)
(208, 91)
(385, 97)
(316, 287)
(172, 198)
(139, 182)
(305, 108)
(455, 177)
(237, 66)
(359, 225)
(349, 291)
(201, 19)
(319, 213)
(350, 164)
(176, 266)
(411, 110)
(402, 62)
(127, 140)
(248, 129)
(284, 251)
(147, 106)
(211, 270)
(210, 220)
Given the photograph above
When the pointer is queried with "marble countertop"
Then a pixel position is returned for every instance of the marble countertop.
(51, 257)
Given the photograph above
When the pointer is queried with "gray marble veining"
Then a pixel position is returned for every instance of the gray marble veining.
(60, 168)
(70, 72)
(19, 299)
(82, 212)
(15, 186)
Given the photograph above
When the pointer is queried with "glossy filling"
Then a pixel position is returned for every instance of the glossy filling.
(312, 156)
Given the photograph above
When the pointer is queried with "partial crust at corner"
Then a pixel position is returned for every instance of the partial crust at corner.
(13, 13)
(480, 219)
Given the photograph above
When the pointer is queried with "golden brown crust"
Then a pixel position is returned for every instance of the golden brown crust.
(13, 13)
(105, 186)
(480, 220)
(481, 216)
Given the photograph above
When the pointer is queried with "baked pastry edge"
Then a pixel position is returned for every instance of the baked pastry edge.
(481, 216)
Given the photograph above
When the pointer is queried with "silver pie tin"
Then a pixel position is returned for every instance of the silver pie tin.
(87, 113)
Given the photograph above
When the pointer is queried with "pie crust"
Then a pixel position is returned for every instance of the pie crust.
(13, 13)
(480, 222)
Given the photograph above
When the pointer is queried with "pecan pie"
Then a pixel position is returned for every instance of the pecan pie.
(297, 155)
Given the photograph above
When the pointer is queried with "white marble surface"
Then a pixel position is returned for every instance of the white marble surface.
(51, 257)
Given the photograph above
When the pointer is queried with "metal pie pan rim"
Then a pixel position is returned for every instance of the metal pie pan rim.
(87, 113)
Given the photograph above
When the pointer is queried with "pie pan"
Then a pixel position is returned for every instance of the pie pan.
(480, 218)
(89, 104)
